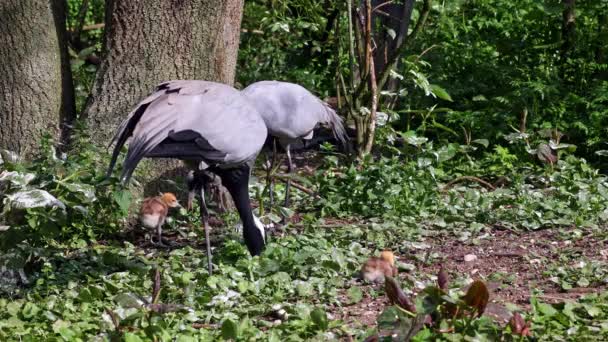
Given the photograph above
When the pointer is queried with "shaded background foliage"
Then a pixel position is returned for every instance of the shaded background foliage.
(495, 59)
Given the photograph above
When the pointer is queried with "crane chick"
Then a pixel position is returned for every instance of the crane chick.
(154, 212)
(375, 269)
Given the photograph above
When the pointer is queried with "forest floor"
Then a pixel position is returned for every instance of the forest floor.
(515, 266)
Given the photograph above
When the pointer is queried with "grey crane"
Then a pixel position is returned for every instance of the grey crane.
(208, 124)
(291, 113)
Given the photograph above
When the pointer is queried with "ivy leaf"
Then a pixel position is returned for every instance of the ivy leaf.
(123, 199)
(483, 142)
(33, 199)
(131, 337)
(86, 191)
(355, 295)
(230, 330)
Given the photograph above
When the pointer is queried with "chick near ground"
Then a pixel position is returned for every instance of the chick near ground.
(154, 212)
(375, 269)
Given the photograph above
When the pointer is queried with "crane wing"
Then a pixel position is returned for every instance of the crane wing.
(191, 120)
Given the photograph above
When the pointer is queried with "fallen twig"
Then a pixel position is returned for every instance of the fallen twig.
(295, 185)
(93, 27)
(469, 178)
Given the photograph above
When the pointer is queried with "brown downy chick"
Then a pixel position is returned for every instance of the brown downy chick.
(154, 212)
(375, 269)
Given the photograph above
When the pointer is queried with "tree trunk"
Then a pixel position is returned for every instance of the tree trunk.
(36, 94)
(568, 28)
(602, 36)
(395, 17)
(148, 42)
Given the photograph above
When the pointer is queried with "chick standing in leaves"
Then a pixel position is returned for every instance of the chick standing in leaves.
(375, 269)
(154, 212)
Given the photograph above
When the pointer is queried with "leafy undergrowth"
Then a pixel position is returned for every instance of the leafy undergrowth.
(537, 234)
(293, 292)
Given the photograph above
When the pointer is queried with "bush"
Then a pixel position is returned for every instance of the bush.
(60, 197)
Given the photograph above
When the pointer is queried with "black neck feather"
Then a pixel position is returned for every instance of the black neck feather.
(236, 180)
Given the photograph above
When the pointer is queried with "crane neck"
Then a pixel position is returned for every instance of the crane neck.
(237, 182)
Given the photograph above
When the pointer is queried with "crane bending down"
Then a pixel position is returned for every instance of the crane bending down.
(291, 113)
(205, 123)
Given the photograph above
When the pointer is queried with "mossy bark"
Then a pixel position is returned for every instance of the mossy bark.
(36, 93)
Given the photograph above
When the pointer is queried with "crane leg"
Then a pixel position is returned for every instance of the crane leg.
(205, 219)
(269, 178)
(288, 181)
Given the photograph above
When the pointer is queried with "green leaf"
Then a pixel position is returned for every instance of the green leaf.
(355, 295)
(483, 142)
(230, 330)
(33, 199)
(30, 310)
(84, 53)
(546, 309)
(128, 300)
(123, 199)
(86, 191)
(131, 337)
(440, 93)
(319, 318)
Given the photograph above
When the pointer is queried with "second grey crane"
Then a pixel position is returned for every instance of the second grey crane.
(291, 113)
(206, 123)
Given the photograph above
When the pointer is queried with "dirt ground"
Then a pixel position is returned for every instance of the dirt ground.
(518, 258)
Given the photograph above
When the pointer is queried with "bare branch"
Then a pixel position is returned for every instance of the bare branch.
(382, 5)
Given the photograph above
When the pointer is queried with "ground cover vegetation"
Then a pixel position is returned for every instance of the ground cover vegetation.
(479, 161)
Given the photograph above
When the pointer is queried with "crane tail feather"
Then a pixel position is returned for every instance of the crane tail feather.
(336, 124)
(123, 133)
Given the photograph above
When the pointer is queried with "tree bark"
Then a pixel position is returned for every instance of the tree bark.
(36, 93)
(148, 42)
(602, 37)
(568, 28)
(394, 16)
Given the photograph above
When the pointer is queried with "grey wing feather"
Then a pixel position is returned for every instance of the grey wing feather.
(291, 111)
(191, 120)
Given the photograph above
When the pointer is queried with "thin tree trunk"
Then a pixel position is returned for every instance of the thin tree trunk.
(396, 17)
(36, 94)
(371, 129)
(148, 42)
(602, 36)
(568, 28)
